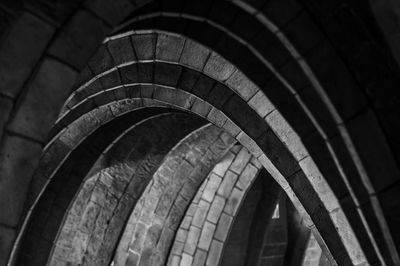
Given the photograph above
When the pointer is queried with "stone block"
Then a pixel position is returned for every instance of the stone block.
(44, 97)
(201, 213)
(218, 95)
(216, 117)
(242, 85)
(227, 184)
(215, 253)
(286, 134)
(17, 59)
(169, 47)
(194, 55)
(167, 74)
(144, 45)
(186, 259)
(79, 39)
(211, 187)
(223, 227)
(101, 61)
(18, 159)
(199, 258)
(218, 67)
(192, 239)
(241, 160)
(200, 107)
(231, 127)
(216, 209)
(206, 235)
(234, 201)
(121, 50)
(261, 104)
(221, 168)
(246, 178)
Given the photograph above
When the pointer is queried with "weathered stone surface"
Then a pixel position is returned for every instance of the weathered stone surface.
(218, 68)
(223, 227)
(194, 55)
(192, 239)
(215, 253)
(169, 47)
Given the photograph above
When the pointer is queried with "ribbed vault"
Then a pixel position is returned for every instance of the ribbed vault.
(161, 132)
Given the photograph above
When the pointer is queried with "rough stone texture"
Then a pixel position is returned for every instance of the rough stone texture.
(212, 222)
(164, 200)
(361, 75)
(112, 189)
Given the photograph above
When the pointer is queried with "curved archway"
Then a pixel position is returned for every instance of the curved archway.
(29, 121)
(242, 137)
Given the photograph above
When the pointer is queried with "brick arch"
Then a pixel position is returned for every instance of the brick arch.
(152, 225)
(183, 101)
(118, 185)
(102, 24)
(337, 116)
(48, 211)
(204, 229)
(109, 77)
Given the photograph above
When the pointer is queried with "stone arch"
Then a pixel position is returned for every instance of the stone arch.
(49, 210)
(183, 102)
(100, 251)
(108, 76)
(204, 229)
(103, 22)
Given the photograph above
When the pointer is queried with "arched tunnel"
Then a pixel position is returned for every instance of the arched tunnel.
(199, 132)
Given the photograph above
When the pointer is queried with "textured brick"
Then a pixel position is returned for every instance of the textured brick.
(144, 46)
(218, 68)
(186, 259)
(288, 136)
(169, 47)
(216, 209)
(194, 55)
(121, 50)
(224, 164)
(261, 104)
(231, 127)
(240, 161)
(206, 235)
(199, 258)
(216, 117)
(223, 227)
(192, 239)
(211, 187)
(233, 202)
(247, 176)
(201, 107)
(215, 253)
(101, 61)
(228, 182)
(242, 85)
(201, 213)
